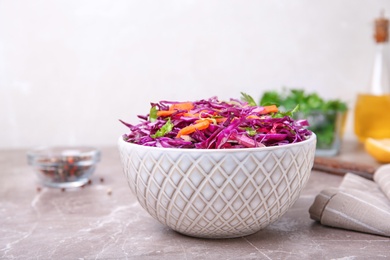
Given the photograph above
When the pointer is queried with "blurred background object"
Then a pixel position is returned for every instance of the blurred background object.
(326, 118)
(372, 117)
(63, 167)
(70, 69)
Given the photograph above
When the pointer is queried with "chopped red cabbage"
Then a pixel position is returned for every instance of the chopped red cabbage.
(233, 124)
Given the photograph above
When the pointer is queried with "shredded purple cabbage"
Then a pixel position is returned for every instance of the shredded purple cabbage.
(243, 126)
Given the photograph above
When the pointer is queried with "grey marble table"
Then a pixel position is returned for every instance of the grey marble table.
(104, 221)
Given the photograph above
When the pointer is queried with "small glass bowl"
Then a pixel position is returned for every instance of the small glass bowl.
(329, 128)
(63, 167)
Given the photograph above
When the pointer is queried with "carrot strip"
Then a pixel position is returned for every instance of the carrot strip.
(191, 115)
(269, 109)
(203, 119)
(253, 117)
(182, 106)
(187, 106)
(165, 113)
(203, 124)
(212, 120)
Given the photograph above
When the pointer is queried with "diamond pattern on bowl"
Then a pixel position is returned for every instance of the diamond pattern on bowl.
(217, 194)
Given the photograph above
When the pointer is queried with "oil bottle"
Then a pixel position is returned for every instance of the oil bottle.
(372, 109)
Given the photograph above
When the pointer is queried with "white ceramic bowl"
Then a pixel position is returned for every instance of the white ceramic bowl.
(217, 193)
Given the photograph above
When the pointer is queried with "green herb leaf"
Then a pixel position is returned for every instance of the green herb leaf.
(248, 99)
(270, 98)
(308, 102)
(250, 131)
(153, 114)
(166, 128)
(289, 113)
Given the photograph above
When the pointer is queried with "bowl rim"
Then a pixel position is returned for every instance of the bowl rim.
(122, 142)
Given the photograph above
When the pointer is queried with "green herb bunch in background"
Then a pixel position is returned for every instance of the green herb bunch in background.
(324, 116)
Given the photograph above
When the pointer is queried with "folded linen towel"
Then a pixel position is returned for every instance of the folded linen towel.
(357, 204)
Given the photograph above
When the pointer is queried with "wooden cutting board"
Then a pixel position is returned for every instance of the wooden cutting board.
(340, 167)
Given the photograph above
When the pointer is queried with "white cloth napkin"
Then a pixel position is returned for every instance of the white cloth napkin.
(357, 204)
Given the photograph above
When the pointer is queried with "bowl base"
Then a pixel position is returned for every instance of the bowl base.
(65, 185)
(217, 236)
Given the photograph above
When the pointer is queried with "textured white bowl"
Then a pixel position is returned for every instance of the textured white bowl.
(217, 193)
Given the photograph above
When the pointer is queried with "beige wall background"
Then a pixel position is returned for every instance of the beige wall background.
(70, 69)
